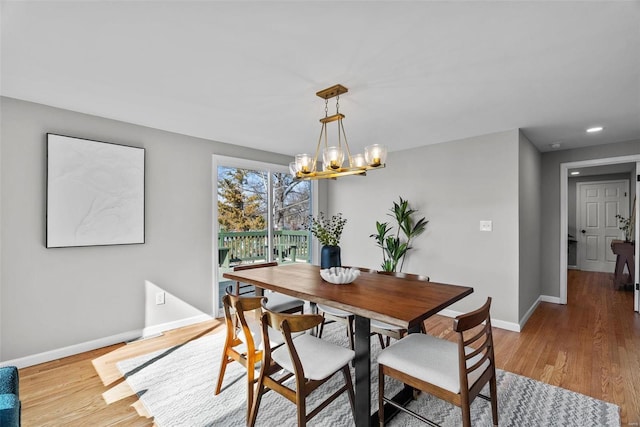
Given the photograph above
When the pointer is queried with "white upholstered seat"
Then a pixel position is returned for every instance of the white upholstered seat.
(429, 359)
(283, 303)
(310, 360)
(319, 358)
(452, 371)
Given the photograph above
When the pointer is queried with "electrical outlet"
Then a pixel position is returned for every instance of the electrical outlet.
(160, 298)
(486, 225)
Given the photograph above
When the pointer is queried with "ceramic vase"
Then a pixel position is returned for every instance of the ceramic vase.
(330, 257)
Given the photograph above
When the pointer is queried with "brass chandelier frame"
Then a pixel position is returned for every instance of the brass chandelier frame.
(306, 167)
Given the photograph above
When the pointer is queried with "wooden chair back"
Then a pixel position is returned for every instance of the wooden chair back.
(289, 324)
(474, 331)
(235, 309)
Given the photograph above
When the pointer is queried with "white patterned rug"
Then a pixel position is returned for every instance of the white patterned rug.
(176, 386)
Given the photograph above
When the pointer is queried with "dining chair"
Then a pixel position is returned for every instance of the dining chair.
(275, 301)
(311, 360)
(330, 314)
(455, 372)
(243, 341)
(387, 329)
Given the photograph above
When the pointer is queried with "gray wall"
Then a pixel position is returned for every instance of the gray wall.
(52, 298)
(550, 261)
(529, 229)
(455, 185)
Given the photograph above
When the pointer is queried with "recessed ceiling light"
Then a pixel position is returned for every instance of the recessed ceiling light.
(575, 173)
(595, 129)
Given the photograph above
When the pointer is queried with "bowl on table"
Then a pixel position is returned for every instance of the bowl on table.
(339, 275)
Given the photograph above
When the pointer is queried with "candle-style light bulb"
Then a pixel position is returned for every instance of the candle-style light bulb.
(333, 157)
(358, 160)
(304, 163)
(375, 154)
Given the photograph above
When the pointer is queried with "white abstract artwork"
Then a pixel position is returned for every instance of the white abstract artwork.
(95, 193)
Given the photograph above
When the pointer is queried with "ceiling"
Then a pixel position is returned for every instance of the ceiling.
(418, 72)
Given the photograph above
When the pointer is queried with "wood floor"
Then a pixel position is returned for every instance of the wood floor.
(591, 346)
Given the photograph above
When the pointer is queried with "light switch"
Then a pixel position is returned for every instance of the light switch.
(486, 225)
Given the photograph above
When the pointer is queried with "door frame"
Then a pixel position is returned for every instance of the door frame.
(579, 260)
(564, 219)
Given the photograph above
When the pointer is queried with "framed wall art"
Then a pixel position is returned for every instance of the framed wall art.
(95, 193)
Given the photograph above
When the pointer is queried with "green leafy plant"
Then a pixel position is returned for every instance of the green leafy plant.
(626, 225)
(395, 246)
(327, 230)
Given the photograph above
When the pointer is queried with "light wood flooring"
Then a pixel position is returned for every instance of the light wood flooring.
(591, 346)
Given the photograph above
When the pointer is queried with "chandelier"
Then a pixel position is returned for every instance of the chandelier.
(307, 167)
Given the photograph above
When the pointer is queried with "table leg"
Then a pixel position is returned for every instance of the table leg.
(363, 371)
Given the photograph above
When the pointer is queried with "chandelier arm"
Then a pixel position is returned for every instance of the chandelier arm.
(315, 158)
(346, 144)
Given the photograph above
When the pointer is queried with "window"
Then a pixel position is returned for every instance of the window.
(260, 214)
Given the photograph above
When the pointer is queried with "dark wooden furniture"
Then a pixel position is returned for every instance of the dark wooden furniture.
(311, 360)
(455, 372)
(275, 301)
(370, 296)
(332, 314)
(391, 331)
(625, 252)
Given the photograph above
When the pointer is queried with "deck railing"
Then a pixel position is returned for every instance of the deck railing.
(237, 247)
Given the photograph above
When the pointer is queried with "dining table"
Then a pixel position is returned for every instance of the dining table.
(371, 296)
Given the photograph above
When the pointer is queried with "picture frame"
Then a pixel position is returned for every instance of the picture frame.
(95, 193)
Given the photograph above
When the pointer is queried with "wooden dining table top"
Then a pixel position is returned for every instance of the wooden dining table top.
(399, 301)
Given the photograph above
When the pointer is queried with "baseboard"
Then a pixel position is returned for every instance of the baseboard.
(547, 298)
(158, 329)
(71, 350)
(529, 312)
(541, 298)
(509, 326)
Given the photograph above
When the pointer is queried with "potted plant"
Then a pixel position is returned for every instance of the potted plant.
(328, 232)
(626, 226)
(395, 247)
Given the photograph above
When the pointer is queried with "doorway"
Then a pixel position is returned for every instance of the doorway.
(564, 229)
(599, 204)
(259, 215)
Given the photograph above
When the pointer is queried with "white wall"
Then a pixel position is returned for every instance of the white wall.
(55, 298)
(455, 185)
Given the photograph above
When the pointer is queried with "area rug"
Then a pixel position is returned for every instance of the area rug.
(176, 386)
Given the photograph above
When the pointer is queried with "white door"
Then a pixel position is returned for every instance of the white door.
(598, 204)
